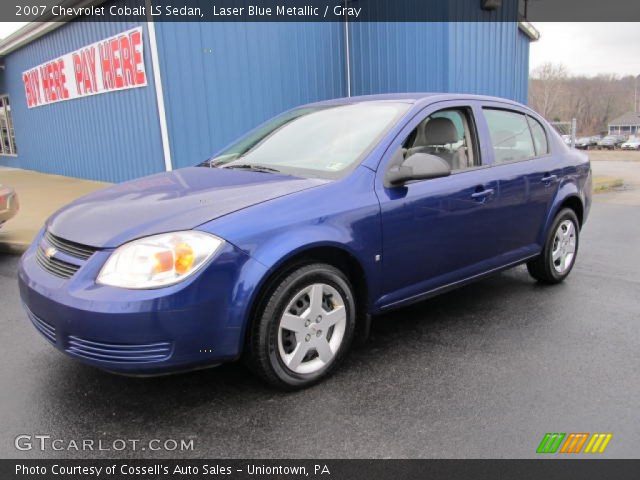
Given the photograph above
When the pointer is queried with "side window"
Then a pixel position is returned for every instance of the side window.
(7, 137)
(510, 135)
(448, 134)
(539, 136)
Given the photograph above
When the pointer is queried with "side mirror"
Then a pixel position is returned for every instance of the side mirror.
(419, 166)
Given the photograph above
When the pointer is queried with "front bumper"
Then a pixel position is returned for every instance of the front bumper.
(193, 324)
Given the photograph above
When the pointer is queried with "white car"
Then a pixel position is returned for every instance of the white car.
(631, 144)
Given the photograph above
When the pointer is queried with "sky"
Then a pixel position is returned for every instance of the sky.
(585, 48)
(7, 28)
(589, 48)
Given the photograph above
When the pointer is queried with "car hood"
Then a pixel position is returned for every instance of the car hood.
(178, 200)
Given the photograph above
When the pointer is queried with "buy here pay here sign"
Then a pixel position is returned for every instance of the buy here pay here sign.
(115, 63)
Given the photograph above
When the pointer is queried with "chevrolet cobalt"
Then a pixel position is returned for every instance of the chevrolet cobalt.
(281, 247)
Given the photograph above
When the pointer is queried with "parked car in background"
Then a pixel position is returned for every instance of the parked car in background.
(567, 140)
(281, 247)
(584, 143)
(631, 144)
(8, 204)
(611, 142)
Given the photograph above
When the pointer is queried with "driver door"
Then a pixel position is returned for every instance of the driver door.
(436, 232)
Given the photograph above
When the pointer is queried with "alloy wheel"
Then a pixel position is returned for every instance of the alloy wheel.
(564, 246)
(312, 328)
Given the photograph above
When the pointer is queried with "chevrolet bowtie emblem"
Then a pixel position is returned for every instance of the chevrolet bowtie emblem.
(50, 252)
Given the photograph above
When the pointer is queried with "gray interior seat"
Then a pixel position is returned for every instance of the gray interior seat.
(433, 137)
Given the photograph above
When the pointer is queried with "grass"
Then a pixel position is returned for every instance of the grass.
(604, 184)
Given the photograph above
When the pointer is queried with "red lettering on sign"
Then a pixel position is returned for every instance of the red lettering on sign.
(77, 72)
(90, 62)
(44, 79)
(54, 81)
(59, 79)
(105, 66)
(32, 88)
(128, 73)
(116, 63)
(135, 40)
(84, 67)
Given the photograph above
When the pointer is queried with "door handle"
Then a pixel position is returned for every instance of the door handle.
(548, 179)
(482, 195)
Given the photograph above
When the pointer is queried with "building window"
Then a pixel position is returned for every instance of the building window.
(7, 136)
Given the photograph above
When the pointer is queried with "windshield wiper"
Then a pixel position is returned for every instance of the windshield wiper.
(253, 167)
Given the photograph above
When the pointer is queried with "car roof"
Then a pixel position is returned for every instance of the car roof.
(417, 98)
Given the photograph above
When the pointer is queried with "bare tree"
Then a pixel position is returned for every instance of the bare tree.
(546, 93)
(592, 101)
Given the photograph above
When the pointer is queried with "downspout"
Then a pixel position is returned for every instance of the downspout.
(157, 81)
(346, 48)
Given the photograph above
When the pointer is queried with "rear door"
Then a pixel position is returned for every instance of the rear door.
(527, 175)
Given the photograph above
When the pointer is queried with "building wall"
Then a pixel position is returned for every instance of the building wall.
(112, 137)
(489, 58)
(222, 79)
(398, 57)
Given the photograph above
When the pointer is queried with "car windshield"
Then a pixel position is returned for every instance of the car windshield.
(321, 141)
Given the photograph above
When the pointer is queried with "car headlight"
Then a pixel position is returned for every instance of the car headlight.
(158, 260)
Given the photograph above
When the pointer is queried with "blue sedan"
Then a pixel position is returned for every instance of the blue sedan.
(280, 248)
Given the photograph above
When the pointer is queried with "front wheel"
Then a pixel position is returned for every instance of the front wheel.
(304, 329)
(558, 256)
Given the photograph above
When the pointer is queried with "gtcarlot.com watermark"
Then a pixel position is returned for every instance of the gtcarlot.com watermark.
(44, 443)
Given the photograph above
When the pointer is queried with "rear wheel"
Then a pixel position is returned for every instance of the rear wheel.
(305, 327)
(555, 262)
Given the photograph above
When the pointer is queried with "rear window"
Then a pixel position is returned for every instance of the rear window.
(539, 137)
(510, 135)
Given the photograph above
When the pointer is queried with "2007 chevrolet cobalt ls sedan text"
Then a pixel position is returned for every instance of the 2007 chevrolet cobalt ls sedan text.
(282, 246)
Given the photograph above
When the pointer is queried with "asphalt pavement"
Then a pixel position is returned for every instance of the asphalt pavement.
(483, 371)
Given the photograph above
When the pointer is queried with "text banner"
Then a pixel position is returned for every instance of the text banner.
(115, 63)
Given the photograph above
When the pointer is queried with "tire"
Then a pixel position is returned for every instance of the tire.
(312, 297)
(547, 269)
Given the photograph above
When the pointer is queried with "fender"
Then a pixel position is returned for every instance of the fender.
(567, 190)
(266, 233)
(280, 251)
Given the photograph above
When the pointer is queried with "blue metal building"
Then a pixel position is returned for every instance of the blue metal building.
(207, 83)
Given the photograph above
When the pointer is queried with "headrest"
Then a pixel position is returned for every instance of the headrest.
(440, 131)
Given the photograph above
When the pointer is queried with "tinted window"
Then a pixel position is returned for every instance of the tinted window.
(317, 141)
(539, 137)
(448, 134)
(510, 135)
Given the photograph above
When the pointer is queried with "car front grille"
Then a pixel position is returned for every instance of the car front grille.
(73, 249)
(55, 266)
(117, 352)
(43, 327)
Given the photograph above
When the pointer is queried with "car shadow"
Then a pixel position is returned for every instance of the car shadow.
(440, 321)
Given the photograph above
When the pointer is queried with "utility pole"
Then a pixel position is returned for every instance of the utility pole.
(635, 96)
